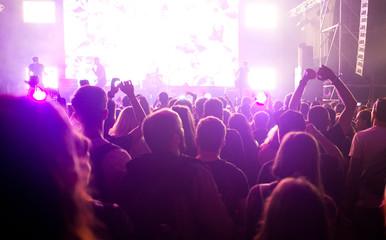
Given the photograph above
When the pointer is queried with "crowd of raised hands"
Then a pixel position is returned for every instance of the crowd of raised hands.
(108, 167)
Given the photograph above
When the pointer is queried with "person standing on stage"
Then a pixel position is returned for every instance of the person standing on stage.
(36, 68)
(100, 73)
(242, 78)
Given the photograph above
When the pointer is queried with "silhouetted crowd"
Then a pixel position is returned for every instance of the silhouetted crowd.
(103, 168)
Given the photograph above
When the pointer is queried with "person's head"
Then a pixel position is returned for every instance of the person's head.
(226, 115)
(295, 210)
(163, 132)
(291, 121)
(210, 135)
(188, 126)
(246, 100)
(363, 120)
(298, 155)
(277, 105)
(163, 98)
(276, 116)
(379, 111)
(199, 107)
(320, 117)
(126, 101)
(90, 105)
(245, 109)
(38, 159)
(240, 123)
(35, 59)
(185, 102)
(333, 104)
(224, 102)
(339, 108)
(260, 120)
(213, 107)
(125, 123)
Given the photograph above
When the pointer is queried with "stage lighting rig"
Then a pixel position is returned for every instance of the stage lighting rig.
(303, 7)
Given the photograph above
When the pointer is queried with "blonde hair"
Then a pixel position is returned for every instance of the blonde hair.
(125, 123)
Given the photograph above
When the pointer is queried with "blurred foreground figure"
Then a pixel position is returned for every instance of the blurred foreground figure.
(295, 210)
(41, 191)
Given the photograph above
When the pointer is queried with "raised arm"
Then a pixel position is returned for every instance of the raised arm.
(194, 96)
(233, 110)
(345, 95)
(128, 88)
(297, 95)
(328, 146)
(113, 88)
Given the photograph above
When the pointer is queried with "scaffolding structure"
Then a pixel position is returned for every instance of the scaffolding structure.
(331, 39)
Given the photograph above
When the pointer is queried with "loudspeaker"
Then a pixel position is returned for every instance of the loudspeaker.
(305, 56)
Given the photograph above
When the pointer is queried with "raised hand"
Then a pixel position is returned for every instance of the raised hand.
(325, 73)
(309, 74)
(127, 87)
(114, 85)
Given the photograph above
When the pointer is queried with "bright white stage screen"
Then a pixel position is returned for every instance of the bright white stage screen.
(39, 11)
(184, 41)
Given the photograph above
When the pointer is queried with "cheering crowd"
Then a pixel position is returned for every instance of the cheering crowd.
(99, 168)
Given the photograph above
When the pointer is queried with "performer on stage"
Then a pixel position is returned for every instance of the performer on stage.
(36, 69)
(100, 73)
(242, 78)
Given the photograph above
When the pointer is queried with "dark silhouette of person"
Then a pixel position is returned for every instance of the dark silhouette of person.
(107, 160)
(100, 73)
(233, 150)
(242, 78)
(231, 181)
(169, 195)
(41, 191)
(36, 68)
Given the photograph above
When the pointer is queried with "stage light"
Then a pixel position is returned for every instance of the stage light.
(261, 98)
(39, 11)
(261, 16)
(208, 95)
(39, 94)
(262, 78)
(51, 79)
